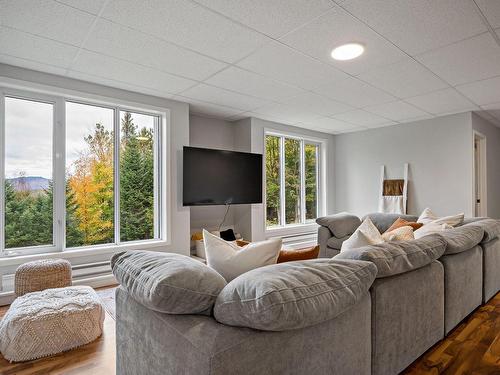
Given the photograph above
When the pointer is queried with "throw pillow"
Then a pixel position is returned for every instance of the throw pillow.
(230, 260)
(427, 216)
(399, 234)
(366, 234)
(400, 222)
(166, 282)
(299, 254)
(430, 228)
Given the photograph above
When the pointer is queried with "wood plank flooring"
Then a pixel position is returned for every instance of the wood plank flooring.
(473, 348)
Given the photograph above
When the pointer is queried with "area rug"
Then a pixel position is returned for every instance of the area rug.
(107, 297)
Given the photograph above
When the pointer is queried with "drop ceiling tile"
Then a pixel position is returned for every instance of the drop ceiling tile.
(397, 111)
(466, 61)
(311, 102)
(491, 10)
(331, 125)
(493, 110)
(91, 6)
(47, 18)
(245, 82)
(281, 62)
(363, 118)
(215, 95)
(117, 84)
(119, 70)
(30, 47)
(442, 102)
(125, 43)
(285, 113)
(273, 18)
(187, 24)
(354, 92)
(482, 92)
(30, 64)
(337, 27)
(404, 79)
(213, 110)
(418, 26)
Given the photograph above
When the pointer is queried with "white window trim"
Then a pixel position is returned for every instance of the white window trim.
(301, 228)
(38, 92)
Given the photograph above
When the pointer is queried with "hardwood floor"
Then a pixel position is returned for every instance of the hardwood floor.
(473, 348)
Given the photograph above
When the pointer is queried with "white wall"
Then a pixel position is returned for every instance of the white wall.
(492, 134)
(179, 240)
(438, 150)
(210, 133)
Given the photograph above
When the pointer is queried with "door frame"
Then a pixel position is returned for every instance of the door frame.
(483, 183)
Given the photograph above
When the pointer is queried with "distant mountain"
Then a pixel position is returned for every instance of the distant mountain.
(29, 183)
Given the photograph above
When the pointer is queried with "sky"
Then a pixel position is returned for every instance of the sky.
(29, 133)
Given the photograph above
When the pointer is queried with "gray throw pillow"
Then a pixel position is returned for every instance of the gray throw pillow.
(293, 295)
(166, 282)
(392, 258)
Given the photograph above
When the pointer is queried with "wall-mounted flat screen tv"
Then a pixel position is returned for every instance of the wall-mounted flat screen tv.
(218, 177)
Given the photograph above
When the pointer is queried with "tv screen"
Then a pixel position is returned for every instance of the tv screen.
(218, 177)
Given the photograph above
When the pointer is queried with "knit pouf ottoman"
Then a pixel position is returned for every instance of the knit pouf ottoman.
(43, 323)
(42, 274)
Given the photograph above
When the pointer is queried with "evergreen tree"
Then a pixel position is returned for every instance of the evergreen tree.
(136, 182)
(74, 236)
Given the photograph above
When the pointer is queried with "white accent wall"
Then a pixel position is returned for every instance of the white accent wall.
(438, 150)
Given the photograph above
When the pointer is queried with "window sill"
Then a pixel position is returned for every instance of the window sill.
(291, 230)
(97, 253)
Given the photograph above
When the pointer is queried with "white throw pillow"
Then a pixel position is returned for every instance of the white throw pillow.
(400, 234)
(366, 234)
(430, 228)
(230, 260)
(427, 216)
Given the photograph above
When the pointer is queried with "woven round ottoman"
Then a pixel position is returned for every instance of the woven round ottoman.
(42, 274)
(44, 323)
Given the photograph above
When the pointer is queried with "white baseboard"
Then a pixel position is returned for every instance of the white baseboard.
(6, 298)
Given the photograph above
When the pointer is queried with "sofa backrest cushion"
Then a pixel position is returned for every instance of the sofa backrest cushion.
(341, 225)
(383, 221)
(491, 228)
(166, 282)
(293, 295)
(462, 238)
(392, 258)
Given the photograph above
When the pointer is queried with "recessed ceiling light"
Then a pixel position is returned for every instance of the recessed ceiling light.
(348, 51)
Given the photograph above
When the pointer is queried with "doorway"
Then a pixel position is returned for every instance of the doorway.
(480, 179)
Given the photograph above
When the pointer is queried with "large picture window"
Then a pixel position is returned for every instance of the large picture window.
(95, 166)
(292, 180)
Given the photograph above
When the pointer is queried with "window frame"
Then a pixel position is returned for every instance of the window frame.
(283, 229)
(162, 177)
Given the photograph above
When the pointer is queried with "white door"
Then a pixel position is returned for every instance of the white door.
(479, 175)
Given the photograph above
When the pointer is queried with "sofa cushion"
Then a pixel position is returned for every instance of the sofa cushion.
(491, 228)
(383, 221)
(336, 243)
(392, 258)
(462, 238)
(166, 282)
(341, 225)
(293, 295)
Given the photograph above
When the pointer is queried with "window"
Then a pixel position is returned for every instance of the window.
(292, 180)
(28, 173)
(79, 174)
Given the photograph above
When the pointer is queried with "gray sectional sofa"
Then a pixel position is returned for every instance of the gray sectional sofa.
(372, 310)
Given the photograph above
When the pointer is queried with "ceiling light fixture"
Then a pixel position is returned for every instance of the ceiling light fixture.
(348, 51)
